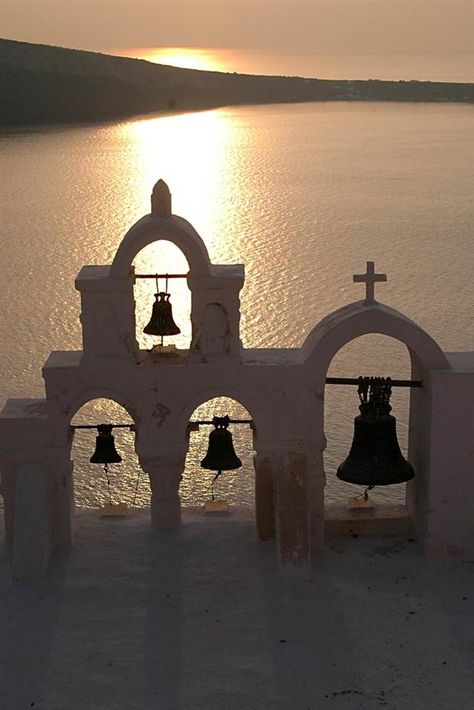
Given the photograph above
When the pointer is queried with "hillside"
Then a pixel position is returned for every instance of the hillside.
(42, 84)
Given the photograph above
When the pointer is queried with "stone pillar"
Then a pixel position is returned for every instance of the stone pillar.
(107, 315)
(264, 496)
(8, 488)
(62, 501)
(33, 529)
(293, 524)
(40, 519)
(215, 314)
(165, 474)
(316, 485)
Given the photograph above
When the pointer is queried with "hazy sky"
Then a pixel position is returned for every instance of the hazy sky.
(339, 26)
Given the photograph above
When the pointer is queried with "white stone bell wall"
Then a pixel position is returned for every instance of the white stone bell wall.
(283, 390)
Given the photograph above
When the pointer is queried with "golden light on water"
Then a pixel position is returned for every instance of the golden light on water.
(189, 151)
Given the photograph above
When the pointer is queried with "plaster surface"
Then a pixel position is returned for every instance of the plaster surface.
(201, 618)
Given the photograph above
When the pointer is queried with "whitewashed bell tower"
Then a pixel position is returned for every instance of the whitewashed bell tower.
(162, 393)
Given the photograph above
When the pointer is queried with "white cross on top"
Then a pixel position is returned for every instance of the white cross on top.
(370, 278)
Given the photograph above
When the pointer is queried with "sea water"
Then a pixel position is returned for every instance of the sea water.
(303, 195)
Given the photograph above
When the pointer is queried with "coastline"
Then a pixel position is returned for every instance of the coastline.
(45, 85)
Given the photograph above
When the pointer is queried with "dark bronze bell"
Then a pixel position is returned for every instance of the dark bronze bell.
(161, 321)
(220, 453)
(105, 451)
(375, 458)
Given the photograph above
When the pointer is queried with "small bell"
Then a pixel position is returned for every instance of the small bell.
(161, 321)
(220, 453)
(375, 458)
(105, 451)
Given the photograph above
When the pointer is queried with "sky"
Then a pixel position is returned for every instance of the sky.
(322, 26)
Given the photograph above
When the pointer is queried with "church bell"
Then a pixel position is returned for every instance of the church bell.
(161, 321)
(220, 453)
(375, 458)
(105, 451)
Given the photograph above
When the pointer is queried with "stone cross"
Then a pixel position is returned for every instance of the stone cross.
(370, 278)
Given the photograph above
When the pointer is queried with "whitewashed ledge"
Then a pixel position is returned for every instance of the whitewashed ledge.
(200, 618)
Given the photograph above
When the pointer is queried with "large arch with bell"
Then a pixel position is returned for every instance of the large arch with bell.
(325, 341)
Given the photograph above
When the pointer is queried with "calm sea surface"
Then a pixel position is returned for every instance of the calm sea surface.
(303, 195)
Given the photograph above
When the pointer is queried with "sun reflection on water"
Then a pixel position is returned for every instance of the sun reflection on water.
(190, 152)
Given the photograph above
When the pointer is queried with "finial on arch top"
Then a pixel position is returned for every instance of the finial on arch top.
(161, 199)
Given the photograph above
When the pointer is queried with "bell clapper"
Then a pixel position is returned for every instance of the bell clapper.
(106, 471)
(212, 484)
(220, 507)
(136, 487)
(362, 501)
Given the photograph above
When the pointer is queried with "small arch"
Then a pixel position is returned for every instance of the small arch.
(100, 393)
(162, 257)
(90, 487)
(62, 419)
(152, 228)
(237, 486)
(356, 319)
(216, 393)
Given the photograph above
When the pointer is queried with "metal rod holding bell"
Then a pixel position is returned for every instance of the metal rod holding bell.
(210, 422)
(355, 381)
(161, 276)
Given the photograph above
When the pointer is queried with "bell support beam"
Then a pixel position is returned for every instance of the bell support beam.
(161, 276)
(94, 426)
(355, 381)
(209, 422)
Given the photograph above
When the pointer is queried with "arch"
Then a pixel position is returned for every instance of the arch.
(360, 318)
(375, 354)
(212, 393)
(152, 228)
(237, 485)
(102, 393)
(61, 426)
(122, 480)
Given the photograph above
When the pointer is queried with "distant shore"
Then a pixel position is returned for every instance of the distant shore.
(41, 85)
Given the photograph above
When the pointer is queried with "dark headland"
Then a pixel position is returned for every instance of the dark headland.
(41, 84)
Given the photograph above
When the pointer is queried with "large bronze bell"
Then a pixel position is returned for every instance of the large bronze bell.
(375, 458)
(161, 321)
(105, 451)
(220, 453)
